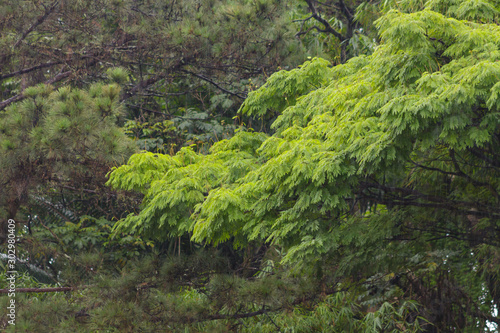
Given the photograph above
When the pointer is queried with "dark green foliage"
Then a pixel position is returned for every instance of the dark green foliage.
(196, 294)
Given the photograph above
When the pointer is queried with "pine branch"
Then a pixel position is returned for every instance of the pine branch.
(21, 96)
(40, 20)
(31, 69)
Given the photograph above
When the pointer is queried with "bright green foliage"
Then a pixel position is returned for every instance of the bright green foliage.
(387, 164)
(282, 88)
(179, 183)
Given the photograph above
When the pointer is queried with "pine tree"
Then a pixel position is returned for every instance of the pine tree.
(55, 138)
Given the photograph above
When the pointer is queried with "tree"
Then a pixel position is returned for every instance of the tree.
(58, 138)
(200, 55)
(382, 171)
(221, 44)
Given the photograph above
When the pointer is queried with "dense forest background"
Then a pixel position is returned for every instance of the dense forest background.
(251, 165)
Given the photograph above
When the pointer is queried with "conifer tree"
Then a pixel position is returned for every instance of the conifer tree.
(58, 137)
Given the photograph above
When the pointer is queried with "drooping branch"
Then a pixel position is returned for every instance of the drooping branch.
(472, 180)
(476, 152)
(433, 169)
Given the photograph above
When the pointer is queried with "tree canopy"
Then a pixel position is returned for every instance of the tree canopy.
(355, 192)
(384, 165)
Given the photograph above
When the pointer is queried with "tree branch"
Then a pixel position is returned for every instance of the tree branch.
(40, 20)
(432, 201)
(37, 290)
(213, 83)
(146, 109)
(328, 28)
(21, 96)
(472, 180)
(433, 169)
(31, 69)
(482, 156)
(144, 83)
(346, 11)
(238, 315)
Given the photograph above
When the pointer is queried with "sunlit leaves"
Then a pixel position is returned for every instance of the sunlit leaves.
(432, 83)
